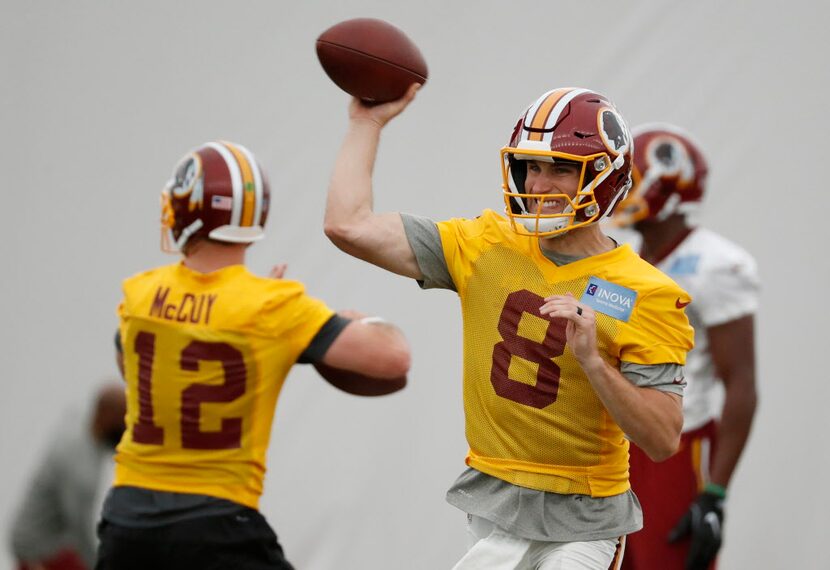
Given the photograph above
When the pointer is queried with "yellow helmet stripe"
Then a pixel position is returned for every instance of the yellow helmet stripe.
(249, 186)
(543, 110)
(259, 184)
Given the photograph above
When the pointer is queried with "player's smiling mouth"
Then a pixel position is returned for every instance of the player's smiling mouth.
(548, 205)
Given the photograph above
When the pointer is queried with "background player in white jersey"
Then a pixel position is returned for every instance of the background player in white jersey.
(206, 348)
(683, 497)
(570, 341)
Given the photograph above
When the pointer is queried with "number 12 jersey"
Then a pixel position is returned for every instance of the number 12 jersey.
(205, 358)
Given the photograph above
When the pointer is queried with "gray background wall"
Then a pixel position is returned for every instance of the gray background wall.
(100, 99)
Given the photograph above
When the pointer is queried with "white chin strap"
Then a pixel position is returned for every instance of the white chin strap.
(692, 212)
(187, 232)
(546, 224)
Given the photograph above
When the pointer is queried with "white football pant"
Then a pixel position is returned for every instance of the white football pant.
(492, 548)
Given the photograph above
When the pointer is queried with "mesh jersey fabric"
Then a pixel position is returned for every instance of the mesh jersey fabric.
(532, 418)
(205, 358)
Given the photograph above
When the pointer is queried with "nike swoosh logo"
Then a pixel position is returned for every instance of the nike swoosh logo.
(680, 304)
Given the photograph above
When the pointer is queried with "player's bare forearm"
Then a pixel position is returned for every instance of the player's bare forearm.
(732, 346)
(733, 429)
(349, 201)
(350, 221)
(375, 349)
(650, 418)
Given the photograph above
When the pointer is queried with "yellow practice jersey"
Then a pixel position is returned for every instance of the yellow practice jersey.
(532, 418)
(205, 357)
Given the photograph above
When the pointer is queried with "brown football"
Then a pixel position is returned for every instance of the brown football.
(371, 59)
(358, 384)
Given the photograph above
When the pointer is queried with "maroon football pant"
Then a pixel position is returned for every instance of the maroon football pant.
(63, 560)
(665, 491)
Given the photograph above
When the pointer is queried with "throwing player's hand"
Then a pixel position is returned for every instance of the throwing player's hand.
(382, 113)
(704, 523)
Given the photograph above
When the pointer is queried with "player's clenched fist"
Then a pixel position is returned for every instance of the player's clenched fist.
(581, 329)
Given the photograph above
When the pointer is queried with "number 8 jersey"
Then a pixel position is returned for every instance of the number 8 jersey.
(205, 358)
(532, 417)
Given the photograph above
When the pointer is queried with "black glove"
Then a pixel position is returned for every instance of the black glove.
(704, 521)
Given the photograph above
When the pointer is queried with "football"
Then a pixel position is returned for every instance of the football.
(358, 384)
(370, 59)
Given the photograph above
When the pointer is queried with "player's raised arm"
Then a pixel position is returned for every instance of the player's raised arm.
(351, 223)
(732, 346)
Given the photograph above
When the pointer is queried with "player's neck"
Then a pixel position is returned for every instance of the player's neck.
(207, 257)
(661, 238)
(579, 242)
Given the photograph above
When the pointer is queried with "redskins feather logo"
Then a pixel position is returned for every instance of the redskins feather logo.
(614, 131)
(189, 180)
(669, 157)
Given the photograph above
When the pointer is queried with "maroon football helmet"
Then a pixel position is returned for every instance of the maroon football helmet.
(572, 125)
(218, 191)
(669, 176)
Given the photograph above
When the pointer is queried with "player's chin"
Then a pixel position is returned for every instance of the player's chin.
(359, 384)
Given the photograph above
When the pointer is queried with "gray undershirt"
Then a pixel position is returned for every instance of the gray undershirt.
(532, 514)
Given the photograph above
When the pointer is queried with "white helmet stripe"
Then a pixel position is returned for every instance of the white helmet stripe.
(534, 108)
(257, 183)
(553, 117)
(236, 180)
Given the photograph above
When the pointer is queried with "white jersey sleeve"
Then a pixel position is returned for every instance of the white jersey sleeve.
(728, 287)
(722, 279)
